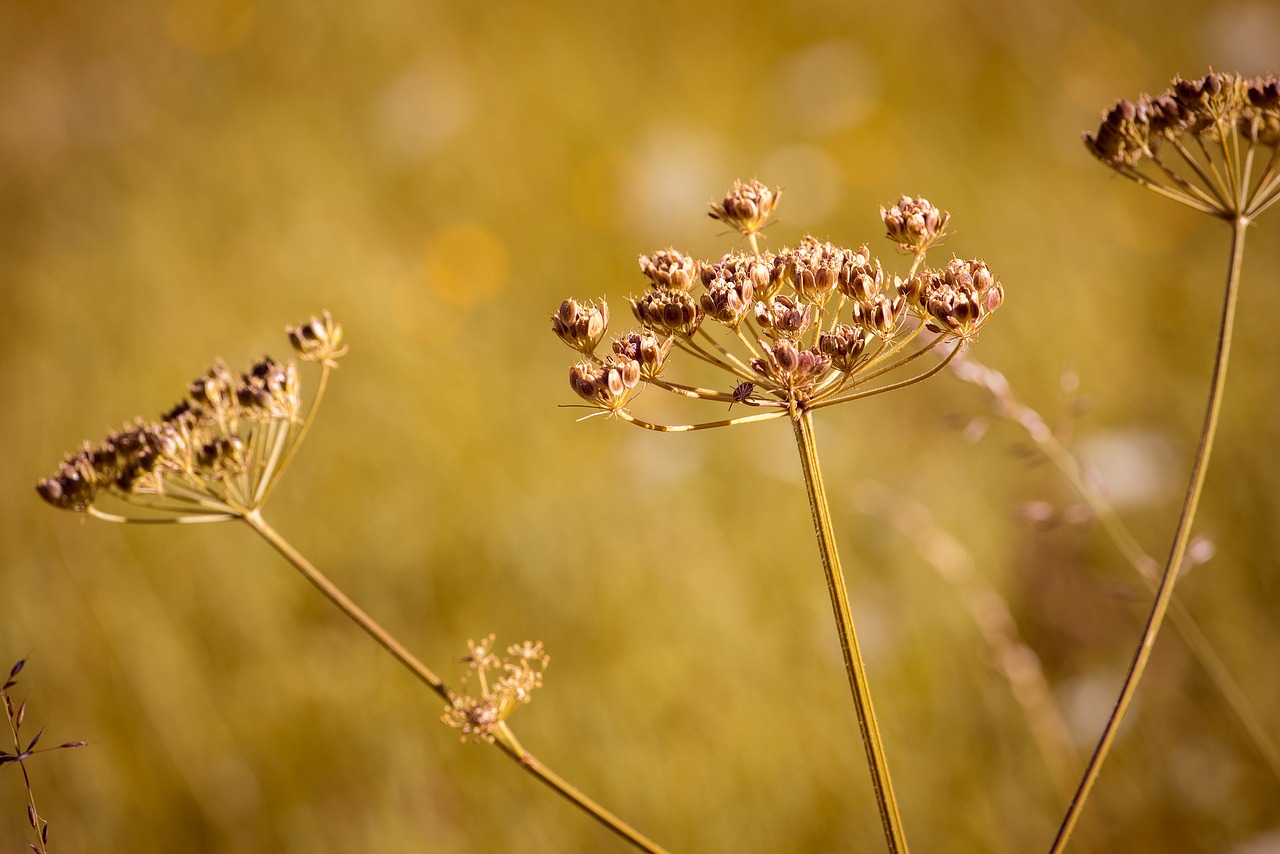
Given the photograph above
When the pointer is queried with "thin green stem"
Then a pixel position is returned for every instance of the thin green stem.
(891, 821)
(1181, 537)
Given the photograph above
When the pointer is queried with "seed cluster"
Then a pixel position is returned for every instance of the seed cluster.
(795, 328)
(521, 672)
(216, 453)
(1197, 141)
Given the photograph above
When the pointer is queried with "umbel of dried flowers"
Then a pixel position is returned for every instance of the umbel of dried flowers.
(215, 455)
(804, 327)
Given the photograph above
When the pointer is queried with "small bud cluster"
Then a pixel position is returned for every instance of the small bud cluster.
(216, 452)
(746, 206)
(1186, 131)
(519, 673)
(792, 328)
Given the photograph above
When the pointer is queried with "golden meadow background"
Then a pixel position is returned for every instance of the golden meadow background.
(179, 180)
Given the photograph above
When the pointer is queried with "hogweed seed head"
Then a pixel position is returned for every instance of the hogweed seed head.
(479, 717)
(795, 329)
(746, 207)
(581, 326)
(215, 454)
(318, 340)
(668, 270)
(1193, 142)
(914, 224)
(645, 348)
(669, 313)
(609, 386)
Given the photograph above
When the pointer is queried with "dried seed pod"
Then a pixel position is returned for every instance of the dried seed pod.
(668, 270)
(914, 223)
(319, 339)
(668, 313)
(727, 301)
(581, 326)
(746, 207)
(645, 348)
(609, 386)
(783, 317)
(846, 346)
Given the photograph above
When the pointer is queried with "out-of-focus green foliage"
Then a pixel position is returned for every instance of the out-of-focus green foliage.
(179, 180)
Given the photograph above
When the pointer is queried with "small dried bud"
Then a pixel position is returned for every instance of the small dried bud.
(318, 340)
(607, 387)
(791, 367)
(742, 268)
(581, 326)
(958, 300)
(746, 206)
(846, 346)
(668, 313)
(861, 277)
(914, 224)
(669, 270)
(883, 316)
(727, 301)
(783, 317)
(647, 349)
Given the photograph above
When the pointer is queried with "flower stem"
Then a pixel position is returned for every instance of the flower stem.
(351, 609)
(894, 835)
(505, 739)
(1181, 536)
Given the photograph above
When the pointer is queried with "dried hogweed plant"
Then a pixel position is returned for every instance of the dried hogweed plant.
(788, 333)
(1213, 145)
(23, 750)
(217, 456)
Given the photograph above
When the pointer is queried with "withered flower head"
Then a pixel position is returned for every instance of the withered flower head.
(669, 270)
(845, 345)
(521, 669)
(609, 386)
(812, 269)
(915, 224)
(784, 317)
(861, 276)
(883, 316)
(581, 326)
(318, 340)
(217, 454)
(958, 299)
(1192, 143)
(645, 348)
(668, 313)
(791, 367)
(746, 206)
(727, 301)
(745, 267)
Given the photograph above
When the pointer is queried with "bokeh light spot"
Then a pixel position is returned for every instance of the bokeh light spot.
(466, 263)
(208, 28)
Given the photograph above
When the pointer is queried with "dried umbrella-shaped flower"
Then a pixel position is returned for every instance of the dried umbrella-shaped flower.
(810, 326)
(1199, 143)
(521, 672)
(216, 457)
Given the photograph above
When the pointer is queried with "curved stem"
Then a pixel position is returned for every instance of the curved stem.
(1181, 536)
(894, 835)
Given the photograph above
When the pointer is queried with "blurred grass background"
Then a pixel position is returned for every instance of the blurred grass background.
(179, 180)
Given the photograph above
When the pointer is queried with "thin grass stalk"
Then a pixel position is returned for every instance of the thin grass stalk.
(1181, 537)
(895, 836)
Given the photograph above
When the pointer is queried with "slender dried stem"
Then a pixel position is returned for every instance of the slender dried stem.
(1181, 536)
(895, 837)
(504, 738)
